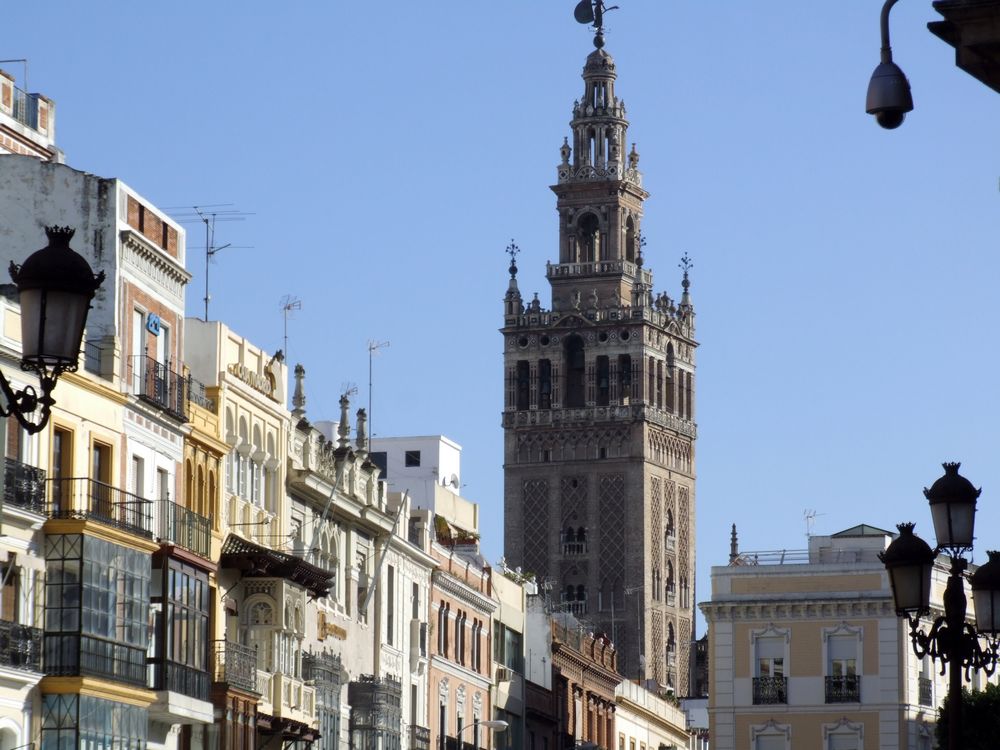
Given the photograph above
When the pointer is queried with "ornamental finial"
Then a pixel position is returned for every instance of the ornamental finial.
(512, 250)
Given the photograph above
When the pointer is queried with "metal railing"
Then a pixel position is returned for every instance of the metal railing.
(420, 738)
(843, 689)
(180, 678)
(20, 646)
(197, 394)
(235, 665)
(24, 486)
(574, 548)
(925, 697)
(74, 654)
(158, 385)
(89, 499)
(186, 528)
(25, 108)
(770, 690)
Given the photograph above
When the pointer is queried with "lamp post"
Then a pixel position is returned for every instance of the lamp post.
(909, 561)
(55, 286)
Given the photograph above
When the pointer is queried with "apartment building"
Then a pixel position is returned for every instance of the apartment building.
(807, 651)
(27, 121)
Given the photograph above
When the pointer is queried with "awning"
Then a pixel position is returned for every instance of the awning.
(255, 561)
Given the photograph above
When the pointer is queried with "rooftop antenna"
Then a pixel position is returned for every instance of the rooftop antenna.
(591, 12)
(289, 303)
(373, 348)
(209, 214)
(809, 516)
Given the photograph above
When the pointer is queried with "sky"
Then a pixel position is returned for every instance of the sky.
(386, 153)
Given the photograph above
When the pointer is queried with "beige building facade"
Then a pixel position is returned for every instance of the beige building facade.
(807, 651)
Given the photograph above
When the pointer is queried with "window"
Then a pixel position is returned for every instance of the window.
(770, 742)
(576, 367)
(85, 721)
(415, 600)
(381, 460)
(390, 596)
(769, 684)
(62, 468)
(181, 663)
(842, 741)
(138, 485)
(842, 684)
(603, 381)
(97, 609)
(10, 576)
(625, 376)
(411, 459)
(100, 463)
(522, 385)
(544, 384)
(507, 647)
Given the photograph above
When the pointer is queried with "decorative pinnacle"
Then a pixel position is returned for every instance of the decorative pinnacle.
(640, 243)
(686, 265)
(512, 250)
(59, 235)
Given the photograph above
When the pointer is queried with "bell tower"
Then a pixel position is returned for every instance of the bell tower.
(598, 415)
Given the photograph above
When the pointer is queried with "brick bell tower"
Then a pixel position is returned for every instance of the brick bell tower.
(599, 408)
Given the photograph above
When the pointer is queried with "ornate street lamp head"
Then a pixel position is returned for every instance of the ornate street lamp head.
(985, 584)
(953, 509)
(56, 286)
(909, 560)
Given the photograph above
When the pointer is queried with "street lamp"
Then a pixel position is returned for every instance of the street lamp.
(55, 286)
(889, 97)
(952, 640)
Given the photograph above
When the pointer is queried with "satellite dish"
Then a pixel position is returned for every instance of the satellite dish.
(454, 481)
(584, 12)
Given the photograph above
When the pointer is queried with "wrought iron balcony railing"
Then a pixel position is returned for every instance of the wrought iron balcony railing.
(236, 665)
(926, 696)
(180, 678)
(89, 499)
(24, 486)
(158, 385)
(420, 738)
(20, 646)
(843, 689)
(770, 690)
(184, 527)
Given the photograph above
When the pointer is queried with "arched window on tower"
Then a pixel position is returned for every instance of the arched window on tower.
(544, 384)
(523, 385)
(603, 381)
(588, 238)
(670, 587)
(576, 370)
(630, 239)
(671, 379)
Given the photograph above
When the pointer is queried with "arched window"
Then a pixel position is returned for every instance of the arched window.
(581, 593)
(581, 534)
(670, 577)
(259, 627)
(630, 239)
(576, 370)
(588, 238)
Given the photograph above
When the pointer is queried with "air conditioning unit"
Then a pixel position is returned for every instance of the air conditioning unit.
(504, 674)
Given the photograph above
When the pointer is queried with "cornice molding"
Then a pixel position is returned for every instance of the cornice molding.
(805, 610)
(452, 586)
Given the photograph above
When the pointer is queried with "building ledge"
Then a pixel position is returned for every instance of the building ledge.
(176, 708)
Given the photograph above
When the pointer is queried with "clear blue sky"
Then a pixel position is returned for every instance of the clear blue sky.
(844, 276)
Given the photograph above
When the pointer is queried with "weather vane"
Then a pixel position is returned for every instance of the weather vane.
(592, 12)
(685, 265)
(512, 250)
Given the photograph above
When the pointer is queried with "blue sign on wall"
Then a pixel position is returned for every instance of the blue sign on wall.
(153, 324)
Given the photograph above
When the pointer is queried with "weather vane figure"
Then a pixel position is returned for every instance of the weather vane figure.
(592, 12)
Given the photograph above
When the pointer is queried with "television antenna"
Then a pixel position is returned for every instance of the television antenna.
(209, 214)
(809, 516)
(289, 304)
(373, 349)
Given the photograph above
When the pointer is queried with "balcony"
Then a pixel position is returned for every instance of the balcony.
(574, 548)
(235, 665)
(926, 695)
(76, 655)
(180, 678)
(90, 500)
(156, 384)
(20, 646)
(24, 486)
(185, 528)
(293, 699)
(420, 738)
(770, 690)
(843, 689)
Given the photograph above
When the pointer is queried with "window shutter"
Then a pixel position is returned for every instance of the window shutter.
(842, 647)
(770, 648)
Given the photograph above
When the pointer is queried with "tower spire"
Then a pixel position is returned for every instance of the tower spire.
(512, 302)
